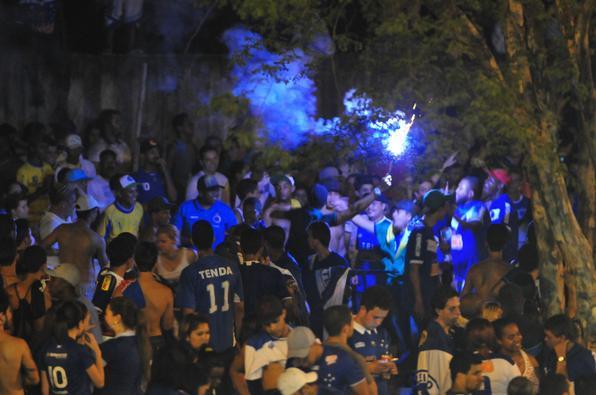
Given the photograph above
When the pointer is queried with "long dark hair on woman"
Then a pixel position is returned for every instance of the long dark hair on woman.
(67, 316)
(189, 323)
(134, 319)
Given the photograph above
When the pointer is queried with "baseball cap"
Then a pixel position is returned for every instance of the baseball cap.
(434, 200)
(76, 174)
(406, 205)
(299, 342)
(208, 182)
(279, 178)
(148, 144)
(121, 249)
(66, 271)
(85, 203)
(73, 141)
(158, 203)
(126, 181)
(290, 381)
(319, 195)
(328, 172)
(332, 184)
(500, 175)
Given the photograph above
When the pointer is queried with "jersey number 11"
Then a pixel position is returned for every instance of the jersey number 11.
(211, 289)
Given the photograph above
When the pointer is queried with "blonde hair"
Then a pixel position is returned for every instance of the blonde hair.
(169, 230)
(492, 311)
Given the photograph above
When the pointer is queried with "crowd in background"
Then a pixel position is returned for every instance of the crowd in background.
(203, 270)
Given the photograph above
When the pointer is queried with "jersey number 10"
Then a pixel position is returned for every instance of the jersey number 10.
(211, 289)
(58, 377)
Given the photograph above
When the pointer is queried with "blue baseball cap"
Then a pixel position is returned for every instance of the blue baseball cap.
(75, 175)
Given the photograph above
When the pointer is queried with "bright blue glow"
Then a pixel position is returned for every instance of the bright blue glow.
(277, 86)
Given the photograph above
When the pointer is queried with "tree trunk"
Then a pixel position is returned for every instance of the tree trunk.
(565, 253)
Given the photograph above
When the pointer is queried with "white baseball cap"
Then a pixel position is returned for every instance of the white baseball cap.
(73, 141)
(66, 271)
(86, 202)
(126, 181)
(290, 381)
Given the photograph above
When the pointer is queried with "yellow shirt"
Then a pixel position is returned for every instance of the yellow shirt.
(32, 176)
(118, 220)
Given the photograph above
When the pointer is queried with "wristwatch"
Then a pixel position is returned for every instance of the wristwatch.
(561, 359)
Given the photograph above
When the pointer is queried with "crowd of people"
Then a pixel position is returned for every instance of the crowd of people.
(203, 271)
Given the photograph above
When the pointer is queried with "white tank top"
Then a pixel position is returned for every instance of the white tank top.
(529, 372)
(174, 275)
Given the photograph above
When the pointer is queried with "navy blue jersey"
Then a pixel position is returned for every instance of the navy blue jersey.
(502, 211)
(66, 365)
(580, 362)
(261, 280)
(337, 371)
(421, 250)
(219, 215)
(123, 368)
(366, 240)
(151, 184)
(372, 344)
(109, 282)
(524, 217)
(210, 286)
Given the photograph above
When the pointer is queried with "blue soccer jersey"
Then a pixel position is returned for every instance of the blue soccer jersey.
(211, 286)
(337, 371)
(151, 184)
(219, 215)
(66, 365)
(372, 344)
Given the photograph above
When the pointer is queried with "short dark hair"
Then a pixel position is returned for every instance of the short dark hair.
(179, 120)
(252, 201)
(8, 251)
(462, 363)
(251, 241)
(520, 385)
(202, 235)
(362, 179)
(107, 152)
(146, 256)
(561, 325)
(335, 318)
(269, 309)
(553, 384)
(497, 236)
(11, 201)
(121, 249)
(246, 186)
(501, 324)
(206, 148)
(4, 301)
(320, 231)
(59, 193)
(474, 334)
(439, 299)
(275, 237)
(31, 260)
(23, 230)
(475, 185)
(377, 296)
(527, 258)
(512, 299)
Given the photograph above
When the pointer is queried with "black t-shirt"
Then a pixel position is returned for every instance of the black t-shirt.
(259, 280)
(123, 366)
(300, 218)
(580, 362)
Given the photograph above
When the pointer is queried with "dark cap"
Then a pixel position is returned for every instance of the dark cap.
(434, 200)
(332, 184)
(383, 199)
(406, 205)
(158, 203)
(206, 183)
(319, 195)
(148, 144)
(121, 249)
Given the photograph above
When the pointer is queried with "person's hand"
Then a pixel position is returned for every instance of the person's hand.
(392, 368)
(449, 161)
(388, 179)
(378, 367)
(88, 339)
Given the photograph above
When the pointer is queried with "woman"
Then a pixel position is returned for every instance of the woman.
(172, 259)
(509, 339)
(72, 359)
(128, 354)
(30, 298)
(187, 365)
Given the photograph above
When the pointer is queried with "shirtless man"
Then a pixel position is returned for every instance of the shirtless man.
(283, 191)
(485, 277)
(335, 202)
(159, 309)
(79, 244)
(16, 362)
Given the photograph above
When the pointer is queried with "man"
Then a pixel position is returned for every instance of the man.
(252, 210)
(370, 340)
(260, 278)
(295, 382)
(8, 254)
(437, 343)
(500, 208)
(509, 339)
(182, 153)
(468, 226)
(485, 278)
(205, 206)
(268, 345)
(564, 355)
(99, 187)
(338, 370)
(79, 244)
(153, 178)
(64, 284)
(110, 281)
(326, 276)
(62, 204)
(245, 188)
(466, 374)
(16, 362)
(361, 227)
(209, 158)
(335, 202)
(159, 215)
(74, 157)
(125, 214)
(422, 268)
(283, 198)
(521, 206)
(36, 175)
(110, 122)
(159, 309)
(212, 286)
